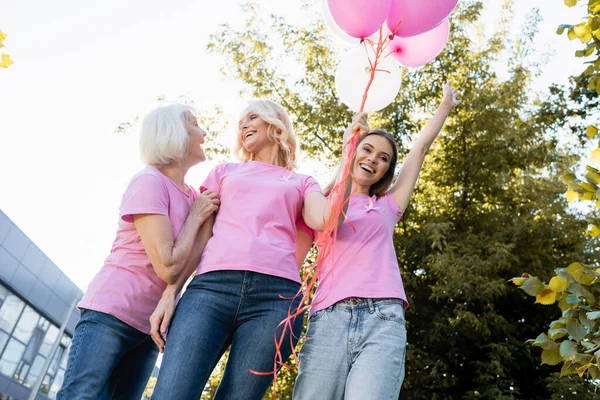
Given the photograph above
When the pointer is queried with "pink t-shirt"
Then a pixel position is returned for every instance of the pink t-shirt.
(127, 286)
(364, 262)
(255, 228)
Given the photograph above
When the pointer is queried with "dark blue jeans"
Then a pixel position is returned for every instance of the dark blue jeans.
(108, 360)
(219, 309)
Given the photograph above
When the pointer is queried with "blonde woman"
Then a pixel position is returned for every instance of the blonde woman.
(247, 274)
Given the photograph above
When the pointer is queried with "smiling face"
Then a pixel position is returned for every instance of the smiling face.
(253, 132)
(196, 138)
(374, 156)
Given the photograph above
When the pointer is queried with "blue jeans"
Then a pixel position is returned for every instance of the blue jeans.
(108, 360)
(354, 350)
(241, 309)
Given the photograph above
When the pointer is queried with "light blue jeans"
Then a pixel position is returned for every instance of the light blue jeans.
(354, 350)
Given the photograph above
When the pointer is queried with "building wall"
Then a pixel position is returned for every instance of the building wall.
(35, 297)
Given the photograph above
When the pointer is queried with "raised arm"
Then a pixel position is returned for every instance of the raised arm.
(404, 186)
(168, 255)
(161, 317)
(317, 208)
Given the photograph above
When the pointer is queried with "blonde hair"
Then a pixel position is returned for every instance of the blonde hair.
(280, 131)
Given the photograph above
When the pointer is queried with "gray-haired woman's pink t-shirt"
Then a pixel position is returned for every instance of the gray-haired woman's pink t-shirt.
(127, 286)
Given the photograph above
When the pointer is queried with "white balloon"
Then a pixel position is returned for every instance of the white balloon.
(353, 74)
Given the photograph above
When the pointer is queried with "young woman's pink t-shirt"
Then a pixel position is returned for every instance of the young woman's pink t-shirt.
(127, 286)
(255, 228)
(362, 263)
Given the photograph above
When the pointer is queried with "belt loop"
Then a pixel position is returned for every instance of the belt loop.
(371, 305)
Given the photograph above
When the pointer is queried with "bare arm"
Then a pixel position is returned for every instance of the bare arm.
(317, 208)
(161, 317)
(304, 242)
(168, 255)
(404, 186)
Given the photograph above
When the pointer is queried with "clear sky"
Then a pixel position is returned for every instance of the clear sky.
(82, 67)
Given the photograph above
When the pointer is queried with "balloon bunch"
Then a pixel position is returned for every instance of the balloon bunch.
(412, 32)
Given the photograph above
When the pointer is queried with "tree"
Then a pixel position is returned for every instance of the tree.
(488, 204)
(5, 60)
(573, 339)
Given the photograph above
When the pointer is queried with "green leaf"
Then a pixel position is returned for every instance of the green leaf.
(593, 315)
(594, 372)
(570, 3)
(544, 342)
(572, 299)
(568, 349)
(533, 286)
(576, 329)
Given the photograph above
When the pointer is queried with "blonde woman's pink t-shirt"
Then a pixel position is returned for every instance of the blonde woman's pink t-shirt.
(127, 286)
(362, 263)
(255, 227)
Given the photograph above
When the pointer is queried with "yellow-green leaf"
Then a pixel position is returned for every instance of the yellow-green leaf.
(595, 231)
(570, 3)
(557, 333)
(595, 157)
(546, 297)
(5, 61)
(591, 131)
(587, 279)
(558, 284)
(575, 269)
(518, 281)
(551, 357)
(562, 304)
(580, 30)
(571, 195)
(568, 368)
(568, 177)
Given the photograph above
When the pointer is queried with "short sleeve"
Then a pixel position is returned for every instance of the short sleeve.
(311, 185)
(213, 180)
(391, 203)
(300, 224)
(146, 194)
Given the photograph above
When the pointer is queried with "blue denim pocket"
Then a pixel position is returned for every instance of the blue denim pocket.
(390, 311)
(317, 316)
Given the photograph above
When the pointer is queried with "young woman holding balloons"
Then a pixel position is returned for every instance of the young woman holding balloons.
(356, 340)
(247, 273)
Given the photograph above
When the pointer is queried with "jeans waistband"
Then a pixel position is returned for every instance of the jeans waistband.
(359, 302)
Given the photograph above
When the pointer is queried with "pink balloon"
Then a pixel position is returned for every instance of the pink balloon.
(359, 18)
(418, 16)
(418, 50)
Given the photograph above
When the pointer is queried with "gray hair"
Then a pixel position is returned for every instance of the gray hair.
(163, 135)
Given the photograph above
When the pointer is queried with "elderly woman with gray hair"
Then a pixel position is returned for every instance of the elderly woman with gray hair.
(112, 354)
